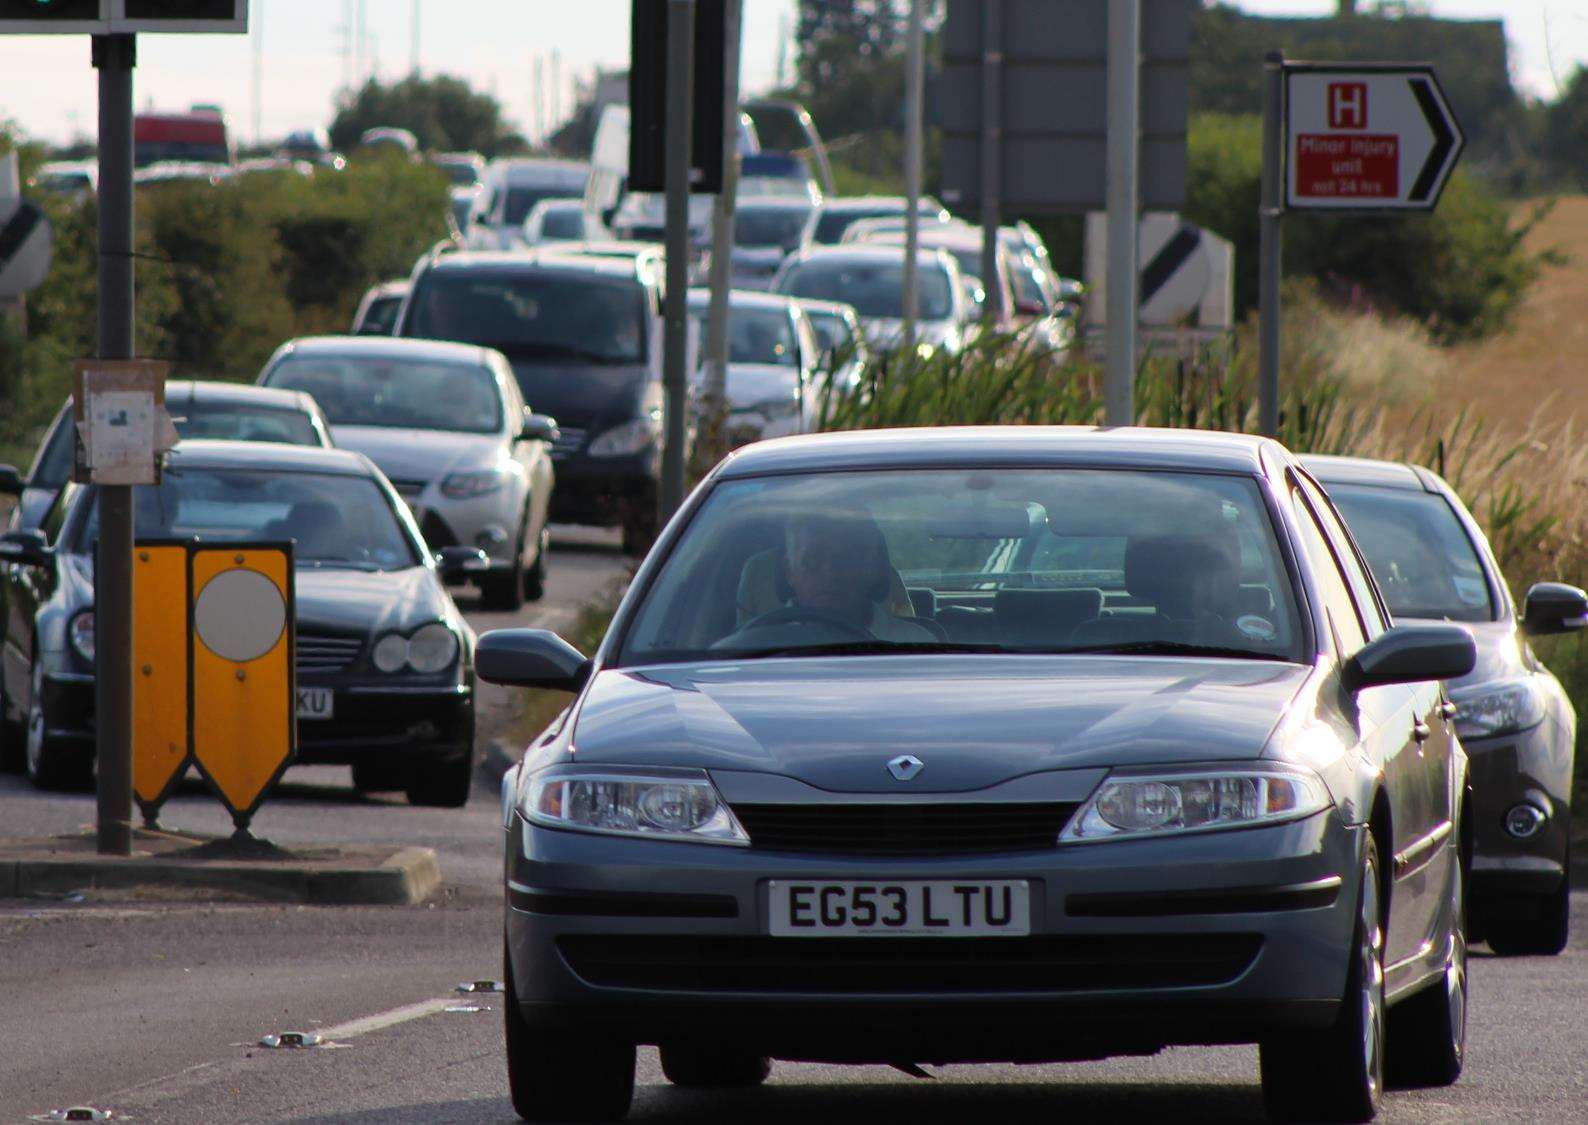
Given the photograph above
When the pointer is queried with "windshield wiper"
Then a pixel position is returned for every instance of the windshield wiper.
(1172, 648)
(861, 648)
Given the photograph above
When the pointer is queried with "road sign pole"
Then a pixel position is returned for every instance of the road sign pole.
(992, 148)
(680, 118)
(115, 56)
(1124, 138)
(715, 389)
(914, 100)
(1270, 267)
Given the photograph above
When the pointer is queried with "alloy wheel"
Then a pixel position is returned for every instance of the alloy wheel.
(1372, 976)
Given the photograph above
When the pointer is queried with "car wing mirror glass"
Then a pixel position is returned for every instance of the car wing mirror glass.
(459, 563)
(1411, 654)
(1552, 608)
(535, 658)
(26, 548)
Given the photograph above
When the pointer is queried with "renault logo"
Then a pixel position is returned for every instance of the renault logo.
(905, 767)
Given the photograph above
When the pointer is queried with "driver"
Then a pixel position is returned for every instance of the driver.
(838, 566)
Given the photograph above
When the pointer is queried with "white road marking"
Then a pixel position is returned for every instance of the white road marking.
(382, 1020)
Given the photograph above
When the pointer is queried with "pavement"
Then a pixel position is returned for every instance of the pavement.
(154, 1005)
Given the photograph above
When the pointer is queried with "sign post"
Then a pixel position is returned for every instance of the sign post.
(1354, 137)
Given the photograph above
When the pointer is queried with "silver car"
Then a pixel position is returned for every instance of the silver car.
(871, 278)
(996, 744)
(447, 424)
(773, 384)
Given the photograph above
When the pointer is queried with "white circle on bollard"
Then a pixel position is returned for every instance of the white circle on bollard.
(240, 615)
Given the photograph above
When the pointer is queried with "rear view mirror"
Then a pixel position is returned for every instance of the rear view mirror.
(1552, 608)
(25, 548)
(11, 482)
(535, 658)
(459, 563)
(1410, 654)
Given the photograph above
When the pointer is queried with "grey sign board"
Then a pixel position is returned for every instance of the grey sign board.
(1053, 64)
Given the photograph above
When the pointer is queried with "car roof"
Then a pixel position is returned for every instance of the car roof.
(395, 347)
(745, 299)
(1362, 470)
(537, 261)
(178, 391)
(969, 446)
(864, 252)
(262, 456)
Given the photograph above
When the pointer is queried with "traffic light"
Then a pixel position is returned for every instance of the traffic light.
(50, 17)
(182, 15)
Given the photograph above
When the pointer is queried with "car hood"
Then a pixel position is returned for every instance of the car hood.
(425, 455)
(360, 603)
(886, 332)
(582, 394)
(1499, 653)
(975, 722)
(751, 384)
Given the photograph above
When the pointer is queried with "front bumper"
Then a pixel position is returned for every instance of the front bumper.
(489, 522)
(659, 941)
(1534, 767)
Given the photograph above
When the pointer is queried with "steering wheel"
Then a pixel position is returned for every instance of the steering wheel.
(800, 614)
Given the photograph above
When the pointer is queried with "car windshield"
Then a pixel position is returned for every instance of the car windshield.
(521, 201)
(765, 226)
(874, 287)
(397, 393)
(973, 560)
(562, 315)
(756, 335)
(1419, 552)
(460, 172)
(1028, 284)
(832, 331)
(563, 224)
(380, 316)
(234, 422)
(342, 521)
(832, 224)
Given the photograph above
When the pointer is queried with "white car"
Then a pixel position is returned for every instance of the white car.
(871, 278)
(449, 427)
(563, 220)
(765, 231)
(773, 384)
(829, 221)
(512, 188)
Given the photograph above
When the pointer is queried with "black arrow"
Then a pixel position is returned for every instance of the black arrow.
(1445, 140)
(1167, 262)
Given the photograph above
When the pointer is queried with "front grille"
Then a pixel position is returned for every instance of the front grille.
(569, 440)
(899, 965)
(949, 828)
(320, 653)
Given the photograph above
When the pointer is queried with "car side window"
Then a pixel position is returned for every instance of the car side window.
(1339, 605)
(1356, 572)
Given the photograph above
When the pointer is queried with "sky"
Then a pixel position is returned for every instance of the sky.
(47, 85)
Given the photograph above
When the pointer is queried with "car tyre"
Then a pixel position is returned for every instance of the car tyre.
(1427, 1041)
(693, 1066)
(503, 591)
(1531, 927)
(1337, 1074)
(561, 1076)
(535, 576)
(48, 763)
(441, 785)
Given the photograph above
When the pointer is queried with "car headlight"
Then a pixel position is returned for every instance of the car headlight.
(1137, 806)
(81, 635)
(628, 439)
(1507, 707)
(466, 486)
(680, 807)
(429, 649)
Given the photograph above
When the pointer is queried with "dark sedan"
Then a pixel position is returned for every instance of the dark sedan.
(982, 745)
(385, 660)
(1515, 720)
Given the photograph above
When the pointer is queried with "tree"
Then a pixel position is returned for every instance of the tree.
(443, 112)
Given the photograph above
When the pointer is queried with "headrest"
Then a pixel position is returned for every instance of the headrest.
(1169, 570)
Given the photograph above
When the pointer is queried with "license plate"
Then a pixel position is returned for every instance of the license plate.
(900, 908)
(315, 703)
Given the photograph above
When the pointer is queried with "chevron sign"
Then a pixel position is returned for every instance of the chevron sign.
(26, 240)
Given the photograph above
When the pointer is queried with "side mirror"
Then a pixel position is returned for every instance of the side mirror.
(1552, 608)
(536, 658)
(459, 563)
(25, 548)
(539, 427)
(1412, 653)
(11, 482)
(1031, 308)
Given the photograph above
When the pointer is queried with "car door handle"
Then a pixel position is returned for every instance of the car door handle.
(1422, 732)
(1447, 710)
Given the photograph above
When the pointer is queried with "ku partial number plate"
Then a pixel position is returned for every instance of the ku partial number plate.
(900, 908)
(316, 703)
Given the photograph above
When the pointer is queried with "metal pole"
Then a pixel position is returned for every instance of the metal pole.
(680, 116)
(1124, 111)
(714, 391)
(114, 58)
(1270, 267)
(915, 65)
(992, 65)
(258, 19)
(413, 41)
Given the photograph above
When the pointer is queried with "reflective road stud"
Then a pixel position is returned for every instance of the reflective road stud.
(244, 719)
(160, 740)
